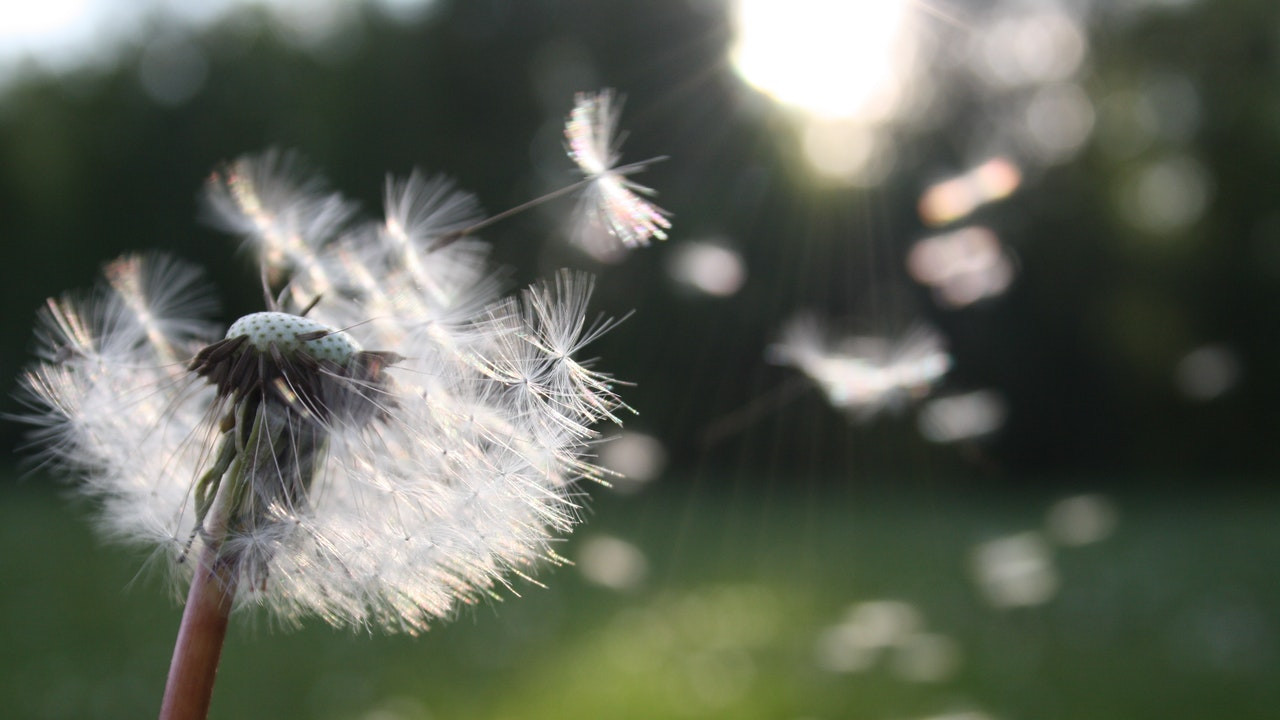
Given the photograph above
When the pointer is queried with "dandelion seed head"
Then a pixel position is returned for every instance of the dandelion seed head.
(291, 333)
(393, 442)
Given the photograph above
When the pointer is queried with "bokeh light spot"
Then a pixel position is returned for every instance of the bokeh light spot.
(708, 267)
(1207, 372)
(1015, 571)
(612, 562)
(856, 642)
(1032, 48)
(841, 649)
(954, 198)
(884, 622)
(962, 417)
(925, 658)
(172, 70)
(1081, 520)
(1167, 195)
(1057, 122)
(639, 459)
(962, 267)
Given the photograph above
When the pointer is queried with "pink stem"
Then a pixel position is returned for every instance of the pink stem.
(199, 645)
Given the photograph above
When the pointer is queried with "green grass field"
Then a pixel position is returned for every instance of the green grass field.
(1176, 614)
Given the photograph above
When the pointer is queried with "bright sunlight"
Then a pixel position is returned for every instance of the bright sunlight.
(830, 58)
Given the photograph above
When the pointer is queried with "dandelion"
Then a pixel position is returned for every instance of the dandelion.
(388, 440)
(611, 206)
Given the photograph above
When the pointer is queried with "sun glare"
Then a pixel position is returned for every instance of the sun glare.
(843, 66)
(28, 27)
(830, 58)
(34, 20)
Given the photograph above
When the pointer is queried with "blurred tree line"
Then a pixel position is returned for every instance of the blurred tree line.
(1084, 346)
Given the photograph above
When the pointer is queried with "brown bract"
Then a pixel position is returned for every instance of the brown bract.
(299, 381)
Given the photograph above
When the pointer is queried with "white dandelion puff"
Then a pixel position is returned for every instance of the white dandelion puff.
(611, 205)
(388, 440)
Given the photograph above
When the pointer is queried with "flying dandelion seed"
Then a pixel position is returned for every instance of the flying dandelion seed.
(390, 439)
(864, 375)
(611, 210)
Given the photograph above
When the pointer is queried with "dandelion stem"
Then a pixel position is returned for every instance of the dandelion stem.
(456, 235)
(213, 588)
(199, 645)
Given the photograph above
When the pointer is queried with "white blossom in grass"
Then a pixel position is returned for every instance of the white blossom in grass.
(611, 205)
(391, 438)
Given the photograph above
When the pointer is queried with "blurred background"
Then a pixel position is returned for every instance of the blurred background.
(953, 379)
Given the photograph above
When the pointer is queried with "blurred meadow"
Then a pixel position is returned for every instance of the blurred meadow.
(952, 383)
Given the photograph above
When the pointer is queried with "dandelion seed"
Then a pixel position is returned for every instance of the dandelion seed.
(864, 375)
(611, 206)
(409, 446)
(281, 211)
